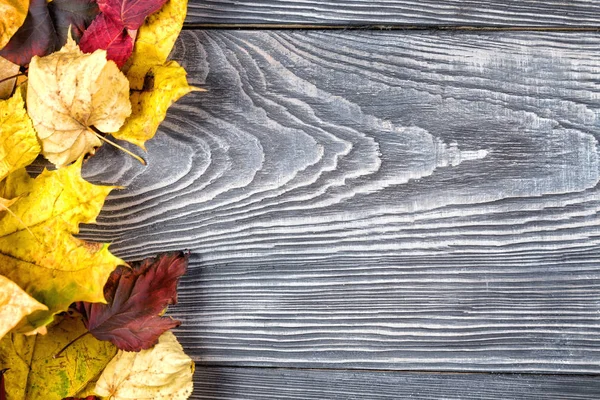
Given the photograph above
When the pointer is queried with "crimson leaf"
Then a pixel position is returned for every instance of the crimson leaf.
(46, 26)
(131, 13)
(106, 33)
(36, 37)
(136, 297)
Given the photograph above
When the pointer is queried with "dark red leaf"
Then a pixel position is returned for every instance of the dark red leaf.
(46, 26)
(36, 37)
(136, 297)
(131, 13)
(79, 14)
(105, 33)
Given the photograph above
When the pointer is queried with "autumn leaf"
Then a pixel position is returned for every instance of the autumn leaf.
(13, 15)
(162, 372)
(15, 304)
(55, 365)
(45, 28)
(131, 13)
(106, 33)
(2, 385)
(76, 14)
(8, 79)
(149, 107)
(18, 142)
(35, 37)
(155, 40)
(71, 93)
(136, 297)
(37, 248)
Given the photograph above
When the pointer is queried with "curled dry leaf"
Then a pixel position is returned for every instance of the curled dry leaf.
(7, 83)
(167, 83)
(155, 40)
(15, 304)
(70, 92)
(37, 248)
(13, 14)
(162, 372)
(136, 297)
(53, 366)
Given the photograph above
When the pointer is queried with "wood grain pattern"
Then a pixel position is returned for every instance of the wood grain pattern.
(264, 383)
(422, 201)
(573, 13)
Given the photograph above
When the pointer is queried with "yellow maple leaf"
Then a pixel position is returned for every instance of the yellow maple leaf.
(37, 369)
(162, 372)
(13, 14)
(15, 304)
(70, 94)
(149, 107)
(18, 143)
(37, 248)
(155, 40)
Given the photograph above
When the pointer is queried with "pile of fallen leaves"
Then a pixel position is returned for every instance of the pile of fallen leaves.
(75, 320)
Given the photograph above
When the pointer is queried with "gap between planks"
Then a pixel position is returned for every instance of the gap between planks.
(271, 27)
(392, 371)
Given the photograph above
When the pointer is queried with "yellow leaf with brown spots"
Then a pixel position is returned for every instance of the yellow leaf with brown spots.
(70, 95)
(37, 369)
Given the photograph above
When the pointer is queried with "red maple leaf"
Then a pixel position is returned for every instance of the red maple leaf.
(136, 297)
(131, 13)
(106, 33)
(115, 25)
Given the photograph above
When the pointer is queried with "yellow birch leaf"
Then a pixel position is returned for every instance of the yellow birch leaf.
(13, 14)
(69, 92)
(7, 69)
(168, 83)
(162, 372)
(37, 248)
(34, 372)
(155, 40)
(15, 304)
(18, 143)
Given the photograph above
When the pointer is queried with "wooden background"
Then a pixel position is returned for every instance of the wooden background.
(378, 214)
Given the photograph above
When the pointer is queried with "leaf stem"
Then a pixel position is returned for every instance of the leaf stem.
(11, 77)
(123, 149)
(70, 343)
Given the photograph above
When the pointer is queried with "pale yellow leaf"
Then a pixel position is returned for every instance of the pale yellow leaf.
(160, 373)
(15, 304)
(70, 92)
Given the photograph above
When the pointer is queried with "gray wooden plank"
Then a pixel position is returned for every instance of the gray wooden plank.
(293, 384)
(575, 13)
(418, 201)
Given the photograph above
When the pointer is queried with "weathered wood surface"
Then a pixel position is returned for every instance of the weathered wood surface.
(268, 383)
(506, 13)
(423, 201)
